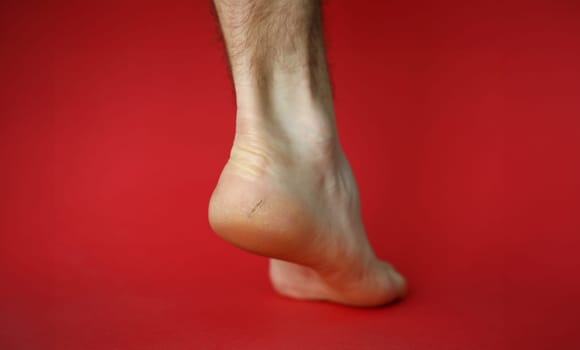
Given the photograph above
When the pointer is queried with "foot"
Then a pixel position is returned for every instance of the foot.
(287, 192)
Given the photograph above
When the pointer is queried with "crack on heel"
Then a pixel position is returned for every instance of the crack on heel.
(255, 208)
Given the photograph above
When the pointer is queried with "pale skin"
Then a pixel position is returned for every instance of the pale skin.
(287, 191)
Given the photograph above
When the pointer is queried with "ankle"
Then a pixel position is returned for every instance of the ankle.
(302, 129)
(281, 90)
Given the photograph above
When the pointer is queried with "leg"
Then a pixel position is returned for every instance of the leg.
(287, 192)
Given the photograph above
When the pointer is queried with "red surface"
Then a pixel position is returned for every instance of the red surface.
(462, 123)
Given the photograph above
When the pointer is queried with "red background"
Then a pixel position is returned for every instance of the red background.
(462, 122)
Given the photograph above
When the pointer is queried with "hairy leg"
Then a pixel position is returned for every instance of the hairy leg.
(287, 191)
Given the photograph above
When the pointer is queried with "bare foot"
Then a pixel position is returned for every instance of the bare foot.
(288, 193)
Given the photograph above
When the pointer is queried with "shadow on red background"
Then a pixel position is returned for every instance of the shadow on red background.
(462, 123)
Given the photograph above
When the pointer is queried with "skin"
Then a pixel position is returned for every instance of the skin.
(287, 191)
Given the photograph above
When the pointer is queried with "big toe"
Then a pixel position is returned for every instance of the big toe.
(399, 283)
(392, 283)
(382, 285)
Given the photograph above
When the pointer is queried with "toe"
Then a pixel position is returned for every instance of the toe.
(398, 282)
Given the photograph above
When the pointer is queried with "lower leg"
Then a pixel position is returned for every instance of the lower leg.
(287, 191)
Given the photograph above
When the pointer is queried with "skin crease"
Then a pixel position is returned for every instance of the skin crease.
(287, 191)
